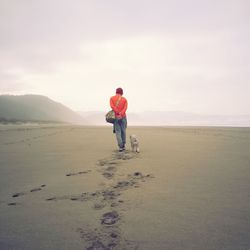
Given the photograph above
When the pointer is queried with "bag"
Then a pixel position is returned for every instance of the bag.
(110, 116)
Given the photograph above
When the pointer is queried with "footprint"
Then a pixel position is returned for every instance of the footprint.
(15, 195)
(74, 198)
(114, 235)
(124, 184)
(114, 204)
(102, 239)
(97, 245)
(111, 169)
(18, 194)
(110, 195)
(51, 199)
(12, 204)
(99, 206)
(84, 172)
(110, 218)
(108, 175)
(108, 162)
(137, 174)
(113, 162)
(102, 162)
(35, 190)
(78, 173)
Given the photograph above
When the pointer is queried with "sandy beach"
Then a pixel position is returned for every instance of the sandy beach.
(67, 187)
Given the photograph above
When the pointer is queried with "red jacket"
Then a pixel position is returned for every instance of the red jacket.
(120, 109)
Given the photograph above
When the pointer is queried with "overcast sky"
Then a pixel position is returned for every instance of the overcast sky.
(181, 55)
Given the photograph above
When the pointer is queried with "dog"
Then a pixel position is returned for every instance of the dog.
(134, 143)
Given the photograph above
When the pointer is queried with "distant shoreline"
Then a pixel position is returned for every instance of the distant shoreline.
(57, 123)
(4, 121)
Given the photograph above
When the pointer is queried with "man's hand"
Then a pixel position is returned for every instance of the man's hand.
(119, 116)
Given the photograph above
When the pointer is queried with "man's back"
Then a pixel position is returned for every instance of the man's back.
(121, 107)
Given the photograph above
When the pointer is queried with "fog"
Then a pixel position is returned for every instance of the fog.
(190, 56)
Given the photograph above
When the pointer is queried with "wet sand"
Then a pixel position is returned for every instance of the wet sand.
(67, 187)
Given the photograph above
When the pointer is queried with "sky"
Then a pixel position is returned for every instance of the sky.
(190, 56)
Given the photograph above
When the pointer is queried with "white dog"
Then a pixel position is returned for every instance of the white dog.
(134, 143)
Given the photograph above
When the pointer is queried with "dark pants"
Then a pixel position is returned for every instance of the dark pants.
(120, 131)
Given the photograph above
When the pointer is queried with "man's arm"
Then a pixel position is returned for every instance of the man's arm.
(124, 108)
(113, 106)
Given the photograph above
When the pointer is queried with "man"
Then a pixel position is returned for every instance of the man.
(119, 104)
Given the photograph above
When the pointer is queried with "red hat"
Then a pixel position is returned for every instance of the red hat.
(119, 91)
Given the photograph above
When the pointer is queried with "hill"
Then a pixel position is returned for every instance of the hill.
(26, 108)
